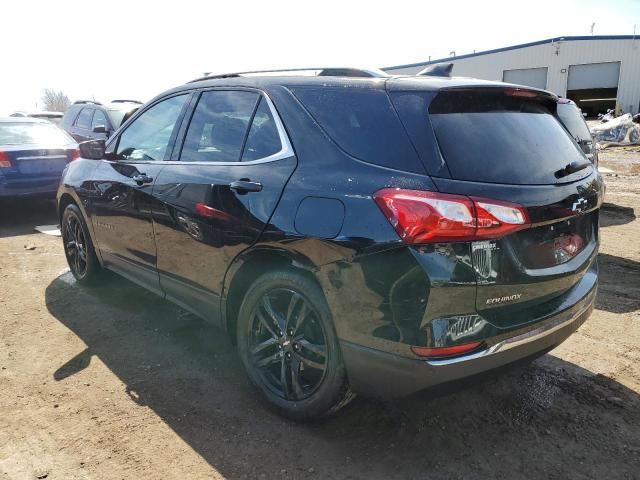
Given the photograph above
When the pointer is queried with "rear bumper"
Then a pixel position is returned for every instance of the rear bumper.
(383, 374)
(32, 187)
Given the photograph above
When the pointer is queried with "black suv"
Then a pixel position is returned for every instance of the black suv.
(88, 120)
(352, 235)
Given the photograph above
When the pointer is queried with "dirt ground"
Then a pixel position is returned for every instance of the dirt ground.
(113, 383)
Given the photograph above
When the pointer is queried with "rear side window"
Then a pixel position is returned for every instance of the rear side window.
(219, 126)
(84, 119)
(488, 136)
(572, 118)
(363, 123)
(99, 118)
(263, 139)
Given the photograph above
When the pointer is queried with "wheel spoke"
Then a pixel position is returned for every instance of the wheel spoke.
(260, 348)
(295, 378)
(265, 323)
(319, 350)
(269, 360)
(284, 377)
(266, 303)
(293, 302)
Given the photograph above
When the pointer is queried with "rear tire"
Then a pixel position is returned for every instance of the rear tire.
(78, 247)
(289, 347)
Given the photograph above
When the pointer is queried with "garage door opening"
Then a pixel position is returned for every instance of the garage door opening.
(594, 86)
(531, 77)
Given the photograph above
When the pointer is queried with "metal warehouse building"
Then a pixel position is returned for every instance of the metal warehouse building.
(597, 72)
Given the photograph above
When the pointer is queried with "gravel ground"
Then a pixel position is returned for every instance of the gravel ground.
(113, 383)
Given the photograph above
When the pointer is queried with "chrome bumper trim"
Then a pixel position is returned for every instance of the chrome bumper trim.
(513, 342)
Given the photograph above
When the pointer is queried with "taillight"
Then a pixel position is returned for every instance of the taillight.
(73, 154)
(4, 160)
(430, 217)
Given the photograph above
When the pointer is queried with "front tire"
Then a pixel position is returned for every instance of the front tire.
(289, 348)
(78, 247)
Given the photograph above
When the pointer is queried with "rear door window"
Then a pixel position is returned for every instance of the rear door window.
(99, 118)
(219, 126)
(84, 119)
(488, 136)
(363, 123)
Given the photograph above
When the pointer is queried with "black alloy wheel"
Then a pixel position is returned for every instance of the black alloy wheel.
(287, 344)
(289, 347)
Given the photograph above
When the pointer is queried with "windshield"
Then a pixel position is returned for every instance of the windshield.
(489, 137)
(21, 133)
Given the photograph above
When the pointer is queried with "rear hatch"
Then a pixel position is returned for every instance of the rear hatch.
(507, 144)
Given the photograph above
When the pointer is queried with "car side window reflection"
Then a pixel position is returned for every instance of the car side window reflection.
(263, 139)
(219, 126)
(148, 136)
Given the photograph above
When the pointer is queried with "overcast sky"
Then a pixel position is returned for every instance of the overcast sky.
(127, 49)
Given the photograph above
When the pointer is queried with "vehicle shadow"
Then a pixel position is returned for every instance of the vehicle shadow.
(619, 284)
(613, 215)
(20, 216)
(550, 419)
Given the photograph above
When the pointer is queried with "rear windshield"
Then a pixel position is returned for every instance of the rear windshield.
(23, 133)
(363, 123)
(572, 119)
(495, 138)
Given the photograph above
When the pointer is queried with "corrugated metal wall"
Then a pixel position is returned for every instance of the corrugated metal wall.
(556, 57)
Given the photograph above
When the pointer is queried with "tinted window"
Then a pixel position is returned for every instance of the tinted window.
(219, 126)
(21, 133)
(363, 123)
(489, 137)
(99, 118)
(263, 139)
(84, 119)
(572, 118)
(147, 138)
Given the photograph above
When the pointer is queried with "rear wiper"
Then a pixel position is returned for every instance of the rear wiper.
(572, 167)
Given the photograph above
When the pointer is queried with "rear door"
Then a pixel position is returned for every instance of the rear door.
(506, 144)
(218, 193)
(123, 200)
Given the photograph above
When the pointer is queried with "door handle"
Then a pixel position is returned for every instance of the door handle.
(245, 185)
(142, 178)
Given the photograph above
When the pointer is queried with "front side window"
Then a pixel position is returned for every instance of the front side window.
(219, 126)
(263, 139)
(99, 118)
(147, 138)
(84, 119)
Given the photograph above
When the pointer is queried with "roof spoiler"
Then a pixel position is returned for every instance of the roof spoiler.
(437, 70)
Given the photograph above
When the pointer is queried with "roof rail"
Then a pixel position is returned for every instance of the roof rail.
(124, 100)
(437, 70)
(78, 102)
(317, 71)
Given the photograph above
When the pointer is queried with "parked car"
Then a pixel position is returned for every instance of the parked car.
(88, 120)
(352, 235)
(53, 117)
(33, 154)
(573, 120)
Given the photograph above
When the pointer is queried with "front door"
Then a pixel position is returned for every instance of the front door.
(218, 193)
(123, 199)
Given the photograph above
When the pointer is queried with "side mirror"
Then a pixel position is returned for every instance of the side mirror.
(92, 149)
(99, 129)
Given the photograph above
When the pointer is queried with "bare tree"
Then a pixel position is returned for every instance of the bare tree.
(55, 100)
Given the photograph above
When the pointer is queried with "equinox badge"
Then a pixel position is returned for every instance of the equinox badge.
(508, 298)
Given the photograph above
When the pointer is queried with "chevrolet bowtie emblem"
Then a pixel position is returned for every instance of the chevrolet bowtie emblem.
(579, 205)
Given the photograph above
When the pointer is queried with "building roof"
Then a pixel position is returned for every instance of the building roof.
(516, 47)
